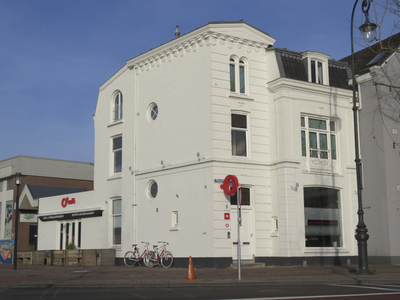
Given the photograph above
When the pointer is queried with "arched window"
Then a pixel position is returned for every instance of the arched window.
(118, 106)
(238, 74)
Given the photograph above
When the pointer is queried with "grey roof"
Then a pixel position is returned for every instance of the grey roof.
(291, 65)
(40, 191)
(364, 59)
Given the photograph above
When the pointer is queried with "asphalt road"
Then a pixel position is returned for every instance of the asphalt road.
(314, 292)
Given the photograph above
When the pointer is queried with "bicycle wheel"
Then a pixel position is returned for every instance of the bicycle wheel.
(150, 259)
(130, 259)
(167, 259)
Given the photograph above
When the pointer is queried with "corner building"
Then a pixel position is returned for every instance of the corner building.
(221, 100)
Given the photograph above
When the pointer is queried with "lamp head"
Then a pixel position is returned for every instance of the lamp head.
(17, 178)
(368, 30)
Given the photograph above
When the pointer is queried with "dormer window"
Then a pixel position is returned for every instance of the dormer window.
(317, 74)
(317, 67)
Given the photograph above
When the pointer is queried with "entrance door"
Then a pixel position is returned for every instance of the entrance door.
(33, 235)
(246, 235)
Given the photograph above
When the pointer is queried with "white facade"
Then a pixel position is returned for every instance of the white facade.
(183, 123)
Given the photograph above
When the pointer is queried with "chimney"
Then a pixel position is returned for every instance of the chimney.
(177, 32)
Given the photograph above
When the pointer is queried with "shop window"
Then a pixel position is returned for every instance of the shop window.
(239, 134)
(116, 219)
(117, 154)
(322, 217)
(245, 197)
(118, 106)
(318, 138)
(237, 74)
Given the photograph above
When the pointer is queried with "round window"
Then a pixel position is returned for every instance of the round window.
(153, 112)
(153, 189)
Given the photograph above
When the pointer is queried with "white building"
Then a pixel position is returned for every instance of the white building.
(221, 100)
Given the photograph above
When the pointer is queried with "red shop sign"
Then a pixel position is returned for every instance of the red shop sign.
(66, 201)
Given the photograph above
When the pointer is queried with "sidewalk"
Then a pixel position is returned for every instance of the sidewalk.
(121, 276)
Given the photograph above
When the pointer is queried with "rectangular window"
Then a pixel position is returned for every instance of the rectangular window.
(322, 217)
(174, 219)
(66, 235)
(239, 135)
(245, 197)
(116, 216)
(317, 72)
(61, 235)
(321, 140)
(117, 153)
(1, 186)
(79, 234)
(10, 184)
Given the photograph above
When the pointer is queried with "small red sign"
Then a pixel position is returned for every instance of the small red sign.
(66, 201)
(227, 216)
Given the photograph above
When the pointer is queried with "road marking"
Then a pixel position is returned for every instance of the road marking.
(44, 293)
(368, 287)
(316, 297)
(55, 293)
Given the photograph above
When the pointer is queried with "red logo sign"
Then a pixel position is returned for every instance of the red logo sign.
(226, 186)
(227, 216)
(66, 201)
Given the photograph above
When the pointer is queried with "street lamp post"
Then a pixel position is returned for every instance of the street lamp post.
(368, 34)
(16, 218)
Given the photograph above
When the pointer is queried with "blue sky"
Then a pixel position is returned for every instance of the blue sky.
(55, 54)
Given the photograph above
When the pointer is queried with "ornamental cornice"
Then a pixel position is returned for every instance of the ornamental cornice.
(153, 59)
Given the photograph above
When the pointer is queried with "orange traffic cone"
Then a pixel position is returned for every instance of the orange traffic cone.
(190, 272)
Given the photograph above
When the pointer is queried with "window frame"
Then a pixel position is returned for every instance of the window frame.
(117, 106)
(245, 130)
(116, 155)
(116, 217)
(238, 75)
(330, 132)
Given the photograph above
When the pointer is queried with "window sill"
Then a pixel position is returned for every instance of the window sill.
(115, 176)
(240, 96)
(175, 228)
(116, 123)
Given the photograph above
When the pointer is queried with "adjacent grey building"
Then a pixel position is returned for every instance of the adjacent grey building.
(378, 71)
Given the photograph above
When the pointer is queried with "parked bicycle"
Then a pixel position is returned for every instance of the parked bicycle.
(160, 256)
(134, 257)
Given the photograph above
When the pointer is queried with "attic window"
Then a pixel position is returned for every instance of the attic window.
(317, 75)
(377, 58)
(317, 67)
